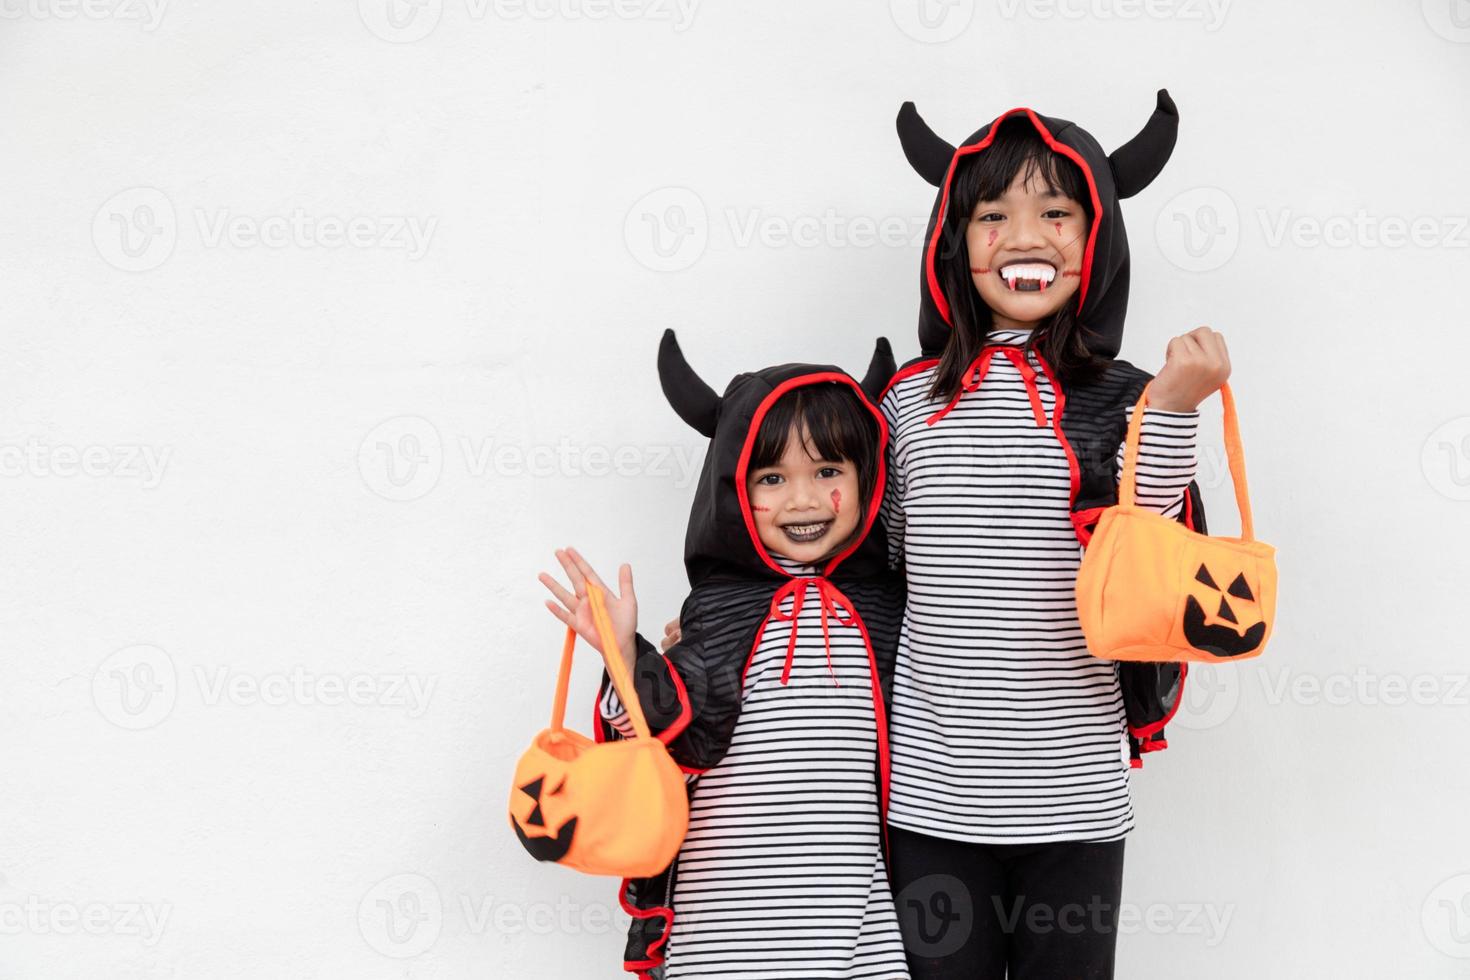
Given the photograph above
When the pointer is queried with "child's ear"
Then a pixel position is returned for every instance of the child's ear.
(1136, 163)
(926, 152)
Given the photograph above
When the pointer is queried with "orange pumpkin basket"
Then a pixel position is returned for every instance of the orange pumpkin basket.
(1151, 589)
(615, 808)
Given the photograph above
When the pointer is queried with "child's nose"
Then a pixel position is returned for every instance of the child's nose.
(804, 496)
(1028, 232)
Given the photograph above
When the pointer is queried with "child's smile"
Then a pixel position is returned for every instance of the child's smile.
(1028, 276)
(806, 532)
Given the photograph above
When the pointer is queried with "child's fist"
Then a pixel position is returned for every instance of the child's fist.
(1196, 364)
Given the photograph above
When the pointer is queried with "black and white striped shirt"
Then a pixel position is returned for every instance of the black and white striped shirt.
(1004, 728)
(782, 875)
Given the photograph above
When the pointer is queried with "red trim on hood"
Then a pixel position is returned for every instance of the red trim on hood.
(755, 424)
(935, 292)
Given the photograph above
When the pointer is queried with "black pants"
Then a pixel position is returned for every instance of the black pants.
(976, 911)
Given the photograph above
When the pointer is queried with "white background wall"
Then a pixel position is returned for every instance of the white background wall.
(241, 478)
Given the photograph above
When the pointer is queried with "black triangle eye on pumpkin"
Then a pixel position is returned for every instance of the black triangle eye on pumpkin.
(1239, 589)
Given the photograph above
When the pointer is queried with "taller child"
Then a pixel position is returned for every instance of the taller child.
(1011, 745)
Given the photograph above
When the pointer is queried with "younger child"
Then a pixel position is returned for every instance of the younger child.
(772, 700)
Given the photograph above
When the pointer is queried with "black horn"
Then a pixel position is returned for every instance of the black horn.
(695, 401)
(926, 152)
(1137, 162)
(880, 369)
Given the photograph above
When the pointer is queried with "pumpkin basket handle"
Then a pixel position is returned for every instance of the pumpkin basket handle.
(615, 667)
(1233, 451)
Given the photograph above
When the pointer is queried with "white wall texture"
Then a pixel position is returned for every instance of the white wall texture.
(324, 323)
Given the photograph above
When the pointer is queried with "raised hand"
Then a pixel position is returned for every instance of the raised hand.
(575, 610)
(1196, 364)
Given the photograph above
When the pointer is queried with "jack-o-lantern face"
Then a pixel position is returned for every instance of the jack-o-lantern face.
(532, 828)
(1220, 631)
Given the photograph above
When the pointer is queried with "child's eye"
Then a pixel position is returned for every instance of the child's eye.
(827, 472)
(769, 479)
(990, 216)
(1057, 213)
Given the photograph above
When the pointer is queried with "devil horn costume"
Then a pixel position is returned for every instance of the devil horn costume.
(1103, 293)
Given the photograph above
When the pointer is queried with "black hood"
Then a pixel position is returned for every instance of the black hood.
(721, 540)
(1103, 293)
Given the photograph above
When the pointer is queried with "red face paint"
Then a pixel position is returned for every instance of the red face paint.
(836, 501)
(1059, 228)
(1071, 272)
(991, 239)
(759, 508)
(981, 271)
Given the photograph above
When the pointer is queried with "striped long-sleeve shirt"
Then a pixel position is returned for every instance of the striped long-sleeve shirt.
(1004, 728)
(782, 874)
